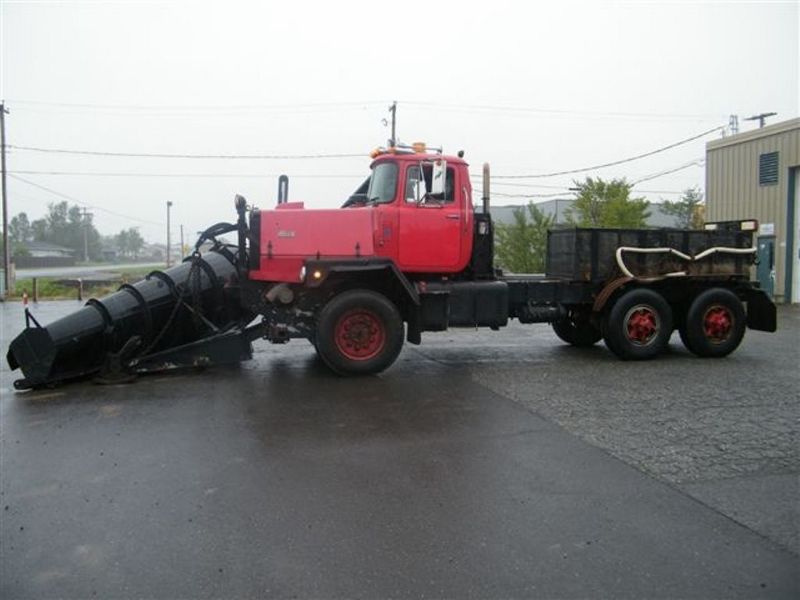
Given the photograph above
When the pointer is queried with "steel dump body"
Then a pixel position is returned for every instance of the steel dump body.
(591, 254)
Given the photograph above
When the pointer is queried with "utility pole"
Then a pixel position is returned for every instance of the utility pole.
(86, 215)
(761, 118)
(393, 110)
(169, 205)
(182, 246)
(6, 245)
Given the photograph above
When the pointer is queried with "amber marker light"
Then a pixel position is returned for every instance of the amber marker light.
(749, 225)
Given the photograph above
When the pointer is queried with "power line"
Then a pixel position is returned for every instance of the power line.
(552, 111)
(616, 162)
(82, 203)
(306, 106)
(201, 108)
(556, 195)
(564, 187)
(342, 155)
(188, 175)
(698, 162)
(200, 156)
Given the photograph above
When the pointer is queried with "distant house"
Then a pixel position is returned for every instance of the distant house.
(109, 253)
(44, 254)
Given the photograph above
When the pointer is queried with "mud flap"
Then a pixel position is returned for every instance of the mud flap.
(761, 312)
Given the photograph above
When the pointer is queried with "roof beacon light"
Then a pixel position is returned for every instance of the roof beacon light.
(419, 147)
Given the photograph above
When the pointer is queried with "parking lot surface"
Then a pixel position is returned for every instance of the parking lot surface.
(481, 465)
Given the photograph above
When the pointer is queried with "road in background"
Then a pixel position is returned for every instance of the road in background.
(82, 271)
(480, 465)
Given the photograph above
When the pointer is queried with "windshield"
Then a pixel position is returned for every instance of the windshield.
(383, 183)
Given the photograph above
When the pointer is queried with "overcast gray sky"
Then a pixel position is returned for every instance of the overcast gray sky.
(529, 87)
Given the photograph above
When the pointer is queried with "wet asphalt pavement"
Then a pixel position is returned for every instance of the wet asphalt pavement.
(486, 465)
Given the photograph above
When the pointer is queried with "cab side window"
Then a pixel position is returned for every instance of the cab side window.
(418, 184)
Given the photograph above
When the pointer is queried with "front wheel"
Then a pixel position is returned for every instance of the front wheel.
(359, 332)
(639, 325)
(715, 324)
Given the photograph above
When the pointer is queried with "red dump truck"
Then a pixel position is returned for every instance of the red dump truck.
(411, 251)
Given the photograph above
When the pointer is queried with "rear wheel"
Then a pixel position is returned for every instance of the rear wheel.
(715, 324)
(359, 332)
(639, 325)
(578, 331)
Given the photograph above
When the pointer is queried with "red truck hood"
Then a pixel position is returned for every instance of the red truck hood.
(291, 235)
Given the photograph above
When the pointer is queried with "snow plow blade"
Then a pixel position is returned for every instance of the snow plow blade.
(120, 334)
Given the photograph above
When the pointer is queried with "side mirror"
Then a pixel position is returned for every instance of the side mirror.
(420, 193)
(438, 177)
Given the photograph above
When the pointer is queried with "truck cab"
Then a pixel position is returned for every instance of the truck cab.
(415, 210)
(423, 211)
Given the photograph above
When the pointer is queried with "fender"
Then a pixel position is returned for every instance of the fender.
(607, 291)
(320, 270)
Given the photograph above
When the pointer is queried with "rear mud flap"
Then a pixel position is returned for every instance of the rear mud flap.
(761, 312)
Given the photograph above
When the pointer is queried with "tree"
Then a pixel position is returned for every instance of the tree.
(607, 204)
(57, 224)
(19, 229)
(129, 242)
(521, 246)
(39, 230)
(688, 211)
(136, 242)
(121, 240)
(63, 225)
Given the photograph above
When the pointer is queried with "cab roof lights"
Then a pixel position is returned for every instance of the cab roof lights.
(401, 148)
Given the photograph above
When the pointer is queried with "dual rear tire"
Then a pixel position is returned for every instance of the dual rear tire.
(640, 323)
(715, 324)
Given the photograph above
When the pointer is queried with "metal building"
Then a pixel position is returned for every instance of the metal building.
(756, 175)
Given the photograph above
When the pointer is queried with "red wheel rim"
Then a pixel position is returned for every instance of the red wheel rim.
(717, 323)
(642, 325)
(360, 334)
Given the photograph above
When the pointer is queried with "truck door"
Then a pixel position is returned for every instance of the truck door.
(430, 224)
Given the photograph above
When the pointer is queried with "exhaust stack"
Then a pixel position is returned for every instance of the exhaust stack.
(486, 188)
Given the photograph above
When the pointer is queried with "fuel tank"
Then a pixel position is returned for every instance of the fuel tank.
(167, 309)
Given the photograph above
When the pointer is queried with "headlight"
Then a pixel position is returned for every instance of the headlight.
(303, 273)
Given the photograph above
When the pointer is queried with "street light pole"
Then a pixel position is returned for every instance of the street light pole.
(86, 222)
(6, 244)
(169, 205)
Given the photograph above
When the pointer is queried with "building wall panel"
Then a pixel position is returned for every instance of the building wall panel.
(732, 188)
